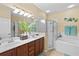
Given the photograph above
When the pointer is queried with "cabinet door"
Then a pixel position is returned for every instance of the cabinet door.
(31, 48)
(22, 50)
(41, 44)
(37, 47)
(11, 52)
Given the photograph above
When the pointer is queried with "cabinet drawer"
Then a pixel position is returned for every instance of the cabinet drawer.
(31, 48)
(31, 53)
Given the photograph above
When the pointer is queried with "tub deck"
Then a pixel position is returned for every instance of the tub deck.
(67, 46)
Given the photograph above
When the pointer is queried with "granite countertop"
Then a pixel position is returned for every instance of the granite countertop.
(18, 42)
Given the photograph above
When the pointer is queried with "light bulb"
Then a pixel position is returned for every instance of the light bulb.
(26, 14)
(70, 6)
(29, 15)
(16, 11)
(21, 12)
(43, 21)
(47, 11)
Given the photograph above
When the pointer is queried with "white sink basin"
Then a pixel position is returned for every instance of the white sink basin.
(9, 40)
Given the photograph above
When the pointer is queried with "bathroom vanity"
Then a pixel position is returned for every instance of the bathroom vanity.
(29, 47)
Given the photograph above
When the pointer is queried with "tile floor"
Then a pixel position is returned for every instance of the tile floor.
(53, 53)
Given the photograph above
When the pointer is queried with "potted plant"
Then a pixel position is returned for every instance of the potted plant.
(23, 26)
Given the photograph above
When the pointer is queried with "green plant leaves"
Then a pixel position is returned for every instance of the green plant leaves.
(71, 19)
(23, 26)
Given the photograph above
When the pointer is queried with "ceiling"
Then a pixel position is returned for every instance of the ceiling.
(54, 7)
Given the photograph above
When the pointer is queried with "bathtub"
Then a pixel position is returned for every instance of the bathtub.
(68, 45)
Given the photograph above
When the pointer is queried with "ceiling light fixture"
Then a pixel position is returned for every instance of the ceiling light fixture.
(29, 15)
(70, 6)
(26, 14)
(21, 12)
(47, 11)
(43, 21)
(16, 11)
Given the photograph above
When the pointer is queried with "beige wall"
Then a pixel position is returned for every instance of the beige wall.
(16, 18)
(5, 11)
(59, 17)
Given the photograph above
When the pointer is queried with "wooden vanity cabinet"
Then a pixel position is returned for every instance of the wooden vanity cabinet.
(11, 52)
(22, 50)
(33, 48)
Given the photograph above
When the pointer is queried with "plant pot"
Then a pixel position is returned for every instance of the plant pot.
(24, 37)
